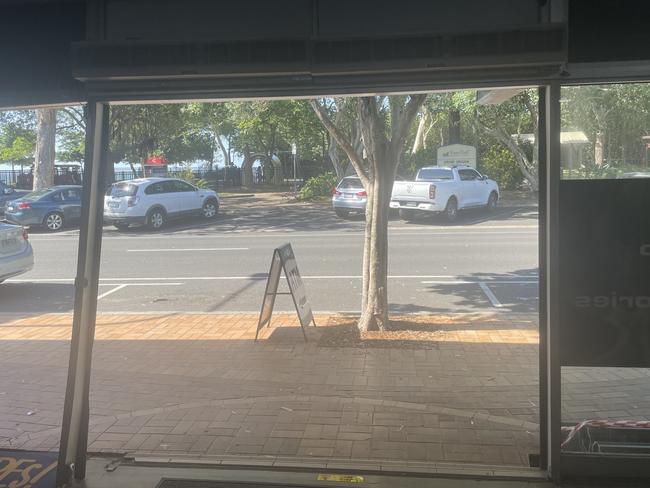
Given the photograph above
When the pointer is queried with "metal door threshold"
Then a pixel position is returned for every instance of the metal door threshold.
(105, 472)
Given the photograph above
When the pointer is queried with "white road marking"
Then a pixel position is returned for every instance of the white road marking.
(439, 279)
(155, 284)
(469, 282)
(109, 292)
(395, 231)
(190, 249)
(124, 285)
(488, 293)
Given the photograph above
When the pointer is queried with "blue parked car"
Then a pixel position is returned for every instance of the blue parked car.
(8, 194)
(51, 208)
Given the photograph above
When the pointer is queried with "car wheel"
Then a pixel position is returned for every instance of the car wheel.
(210, 209)
(451, 210)
(53, 221)
(156, 219)
(341, 213)
(121, 226)
(492, 202)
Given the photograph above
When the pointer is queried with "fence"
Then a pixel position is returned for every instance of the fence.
(220, 178)
(12, 176)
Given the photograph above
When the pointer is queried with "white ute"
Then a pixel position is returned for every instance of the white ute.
(446, 190)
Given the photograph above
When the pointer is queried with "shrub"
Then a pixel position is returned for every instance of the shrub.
(412, 162)
(318, 186)
(202, 183)
(591, 171)
(187, 174)
(499, 164)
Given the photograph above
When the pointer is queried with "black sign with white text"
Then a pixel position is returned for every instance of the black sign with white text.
(605, 272)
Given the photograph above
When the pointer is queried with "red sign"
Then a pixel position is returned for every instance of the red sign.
(156, 160)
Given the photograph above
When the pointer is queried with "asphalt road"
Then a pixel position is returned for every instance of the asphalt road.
(481, 263)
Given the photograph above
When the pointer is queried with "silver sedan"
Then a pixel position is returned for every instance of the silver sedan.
(349, 196)
(16, 255)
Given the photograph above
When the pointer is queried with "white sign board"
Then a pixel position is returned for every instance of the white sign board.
(457, 154)
(284, 259)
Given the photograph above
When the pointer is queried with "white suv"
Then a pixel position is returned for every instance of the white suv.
(154, 201)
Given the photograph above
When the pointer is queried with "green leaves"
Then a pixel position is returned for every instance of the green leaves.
(17, 137)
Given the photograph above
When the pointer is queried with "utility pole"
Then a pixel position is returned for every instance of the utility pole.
(294, 151)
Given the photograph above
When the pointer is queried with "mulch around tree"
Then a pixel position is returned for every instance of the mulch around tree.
(406, 332)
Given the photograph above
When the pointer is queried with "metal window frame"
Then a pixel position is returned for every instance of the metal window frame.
(74, 434)
(76, 410)
(550, 372)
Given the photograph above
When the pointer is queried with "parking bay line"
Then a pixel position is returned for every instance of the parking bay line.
(488, 293)
(111, 291)
(124, 285)
(191, 249)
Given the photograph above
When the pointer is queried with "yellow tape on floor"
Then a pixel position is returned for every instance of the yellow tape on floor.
(342, 478)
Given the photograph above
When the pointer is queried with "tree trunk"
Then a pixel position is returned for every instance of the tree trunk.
(247, 169)
(374, 310)
(45, 148)
(133, 170)
(454, 126)
(528, 168)
(226, 153)
(333, 153)
(333, 149)
(419, 135)
(599, 148)
(383, 157)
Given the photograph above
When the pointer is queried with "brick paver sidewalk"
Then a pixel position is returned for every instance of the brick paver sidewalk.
(199, 385)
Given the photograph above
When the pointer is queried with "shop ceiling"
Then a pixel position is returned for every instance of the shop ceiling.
(58, 51)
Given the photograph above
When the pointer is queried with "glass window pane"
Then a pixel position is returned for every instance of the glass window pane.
(605, 131)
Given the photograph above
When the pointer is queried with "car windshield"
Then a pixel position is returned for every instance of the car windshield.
(431, 174)
(122, 190)
(36, 195)
(350, 183)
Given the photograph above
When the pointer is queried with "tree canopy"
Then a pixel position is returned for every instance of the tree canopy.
(614, 118)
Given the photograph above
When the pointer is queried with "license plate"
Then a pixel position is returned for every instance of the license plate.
(347, 195)
(8, 243)
(113, 205)
(411, 204)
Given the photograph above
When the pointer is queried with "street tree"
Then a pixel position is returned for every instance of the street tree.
(44, 154)
(385, 124)
(505, 123)
(343, 112)
(216, 120)
(17, 137)
(137, 131)
(268, 128)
